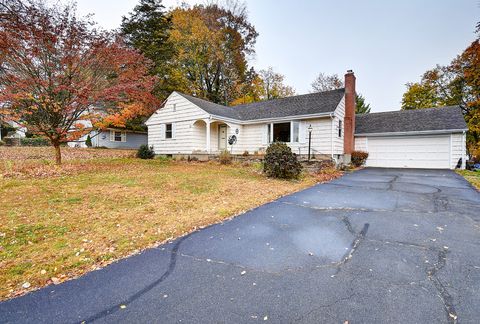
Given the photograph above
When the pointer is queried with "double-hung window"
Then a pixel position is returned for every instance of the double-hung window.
(118, 136)
(168, 131)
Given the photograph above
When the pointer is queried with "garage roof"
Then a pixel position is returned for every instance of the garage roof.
(308, 104)
(419, 120)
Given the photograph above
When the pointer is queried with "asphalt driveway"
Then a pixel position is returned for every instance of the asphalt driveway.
(376, 246)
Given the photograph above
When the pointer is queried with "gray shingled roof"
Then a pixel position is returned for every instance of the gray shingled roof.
(308, 104)
(431, 119)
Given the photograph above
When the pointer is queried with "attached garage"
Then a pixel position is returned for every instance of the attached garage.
(429, 138)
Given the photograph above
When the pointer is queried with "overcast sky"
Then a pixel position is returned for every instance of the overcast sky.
(386, 43)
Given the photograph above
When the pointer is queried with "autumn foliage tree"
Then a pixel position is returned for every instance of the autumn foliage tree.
(455, 84)
(211, 44)
(59, 74)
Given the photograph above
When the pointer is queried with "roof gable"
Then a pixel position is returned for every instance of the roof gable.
(418, 120)
(308, 104)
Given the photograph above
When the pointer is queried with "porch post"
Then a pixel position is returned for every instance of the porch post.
(208, 136)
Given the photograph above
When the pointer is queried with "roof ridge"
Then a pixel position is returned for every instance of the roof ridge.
(295, 96)
(408, 110)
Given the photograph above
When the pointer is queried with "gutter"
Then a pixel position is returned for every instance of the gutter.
(263, 120)
(443, 131)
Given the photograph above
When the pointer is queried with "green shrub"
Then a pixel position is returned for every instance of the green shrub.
(359, 158)
(225, 157)
(88, 141)
(145, 152)
(34, 141)
(280, 162)
(2, 143)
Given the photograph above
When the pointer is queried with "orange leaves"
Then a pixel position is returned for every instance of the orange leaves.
(57, 68)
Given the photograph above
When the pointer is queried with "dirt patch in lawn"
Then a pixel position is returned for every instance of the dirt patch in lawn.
(53, 228)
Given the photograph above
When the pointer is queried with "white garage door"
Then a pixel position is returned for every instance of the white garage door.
(432, 152)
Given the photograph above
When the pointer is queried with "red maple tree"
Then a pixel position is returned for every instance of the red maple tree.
(57, 70)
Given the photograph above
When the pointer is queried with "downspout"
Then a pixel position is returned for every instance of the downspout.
(332, 117)
(464, 148)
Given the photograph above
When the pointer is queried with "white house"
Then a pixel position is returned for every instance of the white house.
(187, 125)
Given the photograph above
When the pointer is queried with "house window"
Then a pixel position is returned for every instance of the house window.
(281, 132)
(118, 136)
(168, 131)
(339, 128)
(174, 107)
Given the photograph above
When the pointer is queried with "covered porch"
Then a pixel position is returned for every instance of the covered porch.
(212, 135)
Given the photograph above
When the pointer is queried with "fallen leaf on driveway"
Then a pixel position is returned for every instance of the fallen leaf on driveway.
(243, 272)
(123, 306)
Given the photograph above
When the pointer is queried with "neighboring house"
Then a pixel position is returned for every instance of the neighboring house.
(113, 138)
(20, 131)
(187, 125)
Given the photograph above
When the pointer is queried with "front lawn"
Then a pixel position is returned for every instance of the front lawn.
(472, 176)
(58, 225)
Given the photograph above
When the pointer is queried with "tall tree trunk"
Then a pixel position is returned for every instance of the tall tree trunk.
(58, 153)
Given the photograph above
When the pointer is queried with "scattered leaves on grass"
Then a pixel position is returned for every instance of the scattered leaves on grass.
(55, 226)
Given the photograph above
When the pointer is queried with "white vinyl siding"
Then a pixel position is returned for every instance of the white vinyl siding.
(188, 127)
(414, 151)
(458, 148)
(254, 137)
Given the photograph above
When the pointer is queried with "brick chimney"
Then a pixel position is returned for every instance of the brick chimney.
(349, 119)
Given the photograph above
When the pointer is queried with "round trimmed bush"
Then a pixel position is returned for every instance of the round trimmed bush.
(281, 162)
(145, 152)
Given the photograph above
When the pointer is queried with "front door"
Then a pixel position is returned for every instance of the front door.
(222, 137)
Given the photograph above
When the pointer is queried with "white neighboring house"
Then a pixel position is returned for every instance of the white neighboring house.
(428, 138)
(20, 131)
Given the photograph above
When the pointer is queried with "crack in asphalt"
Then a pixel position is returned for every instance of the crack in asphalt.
(446, 298)
(402, 243)
(337, 208)
(353, 247)
(349, 226)
(138, 294)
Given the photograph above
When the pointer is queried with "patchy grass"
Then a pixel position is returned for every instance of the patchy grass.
(472, 176)
(61, 225)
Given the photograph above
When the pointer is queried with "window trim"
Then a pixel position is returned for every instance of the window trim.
(113, 136)
(294, 136)
(290, 130)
